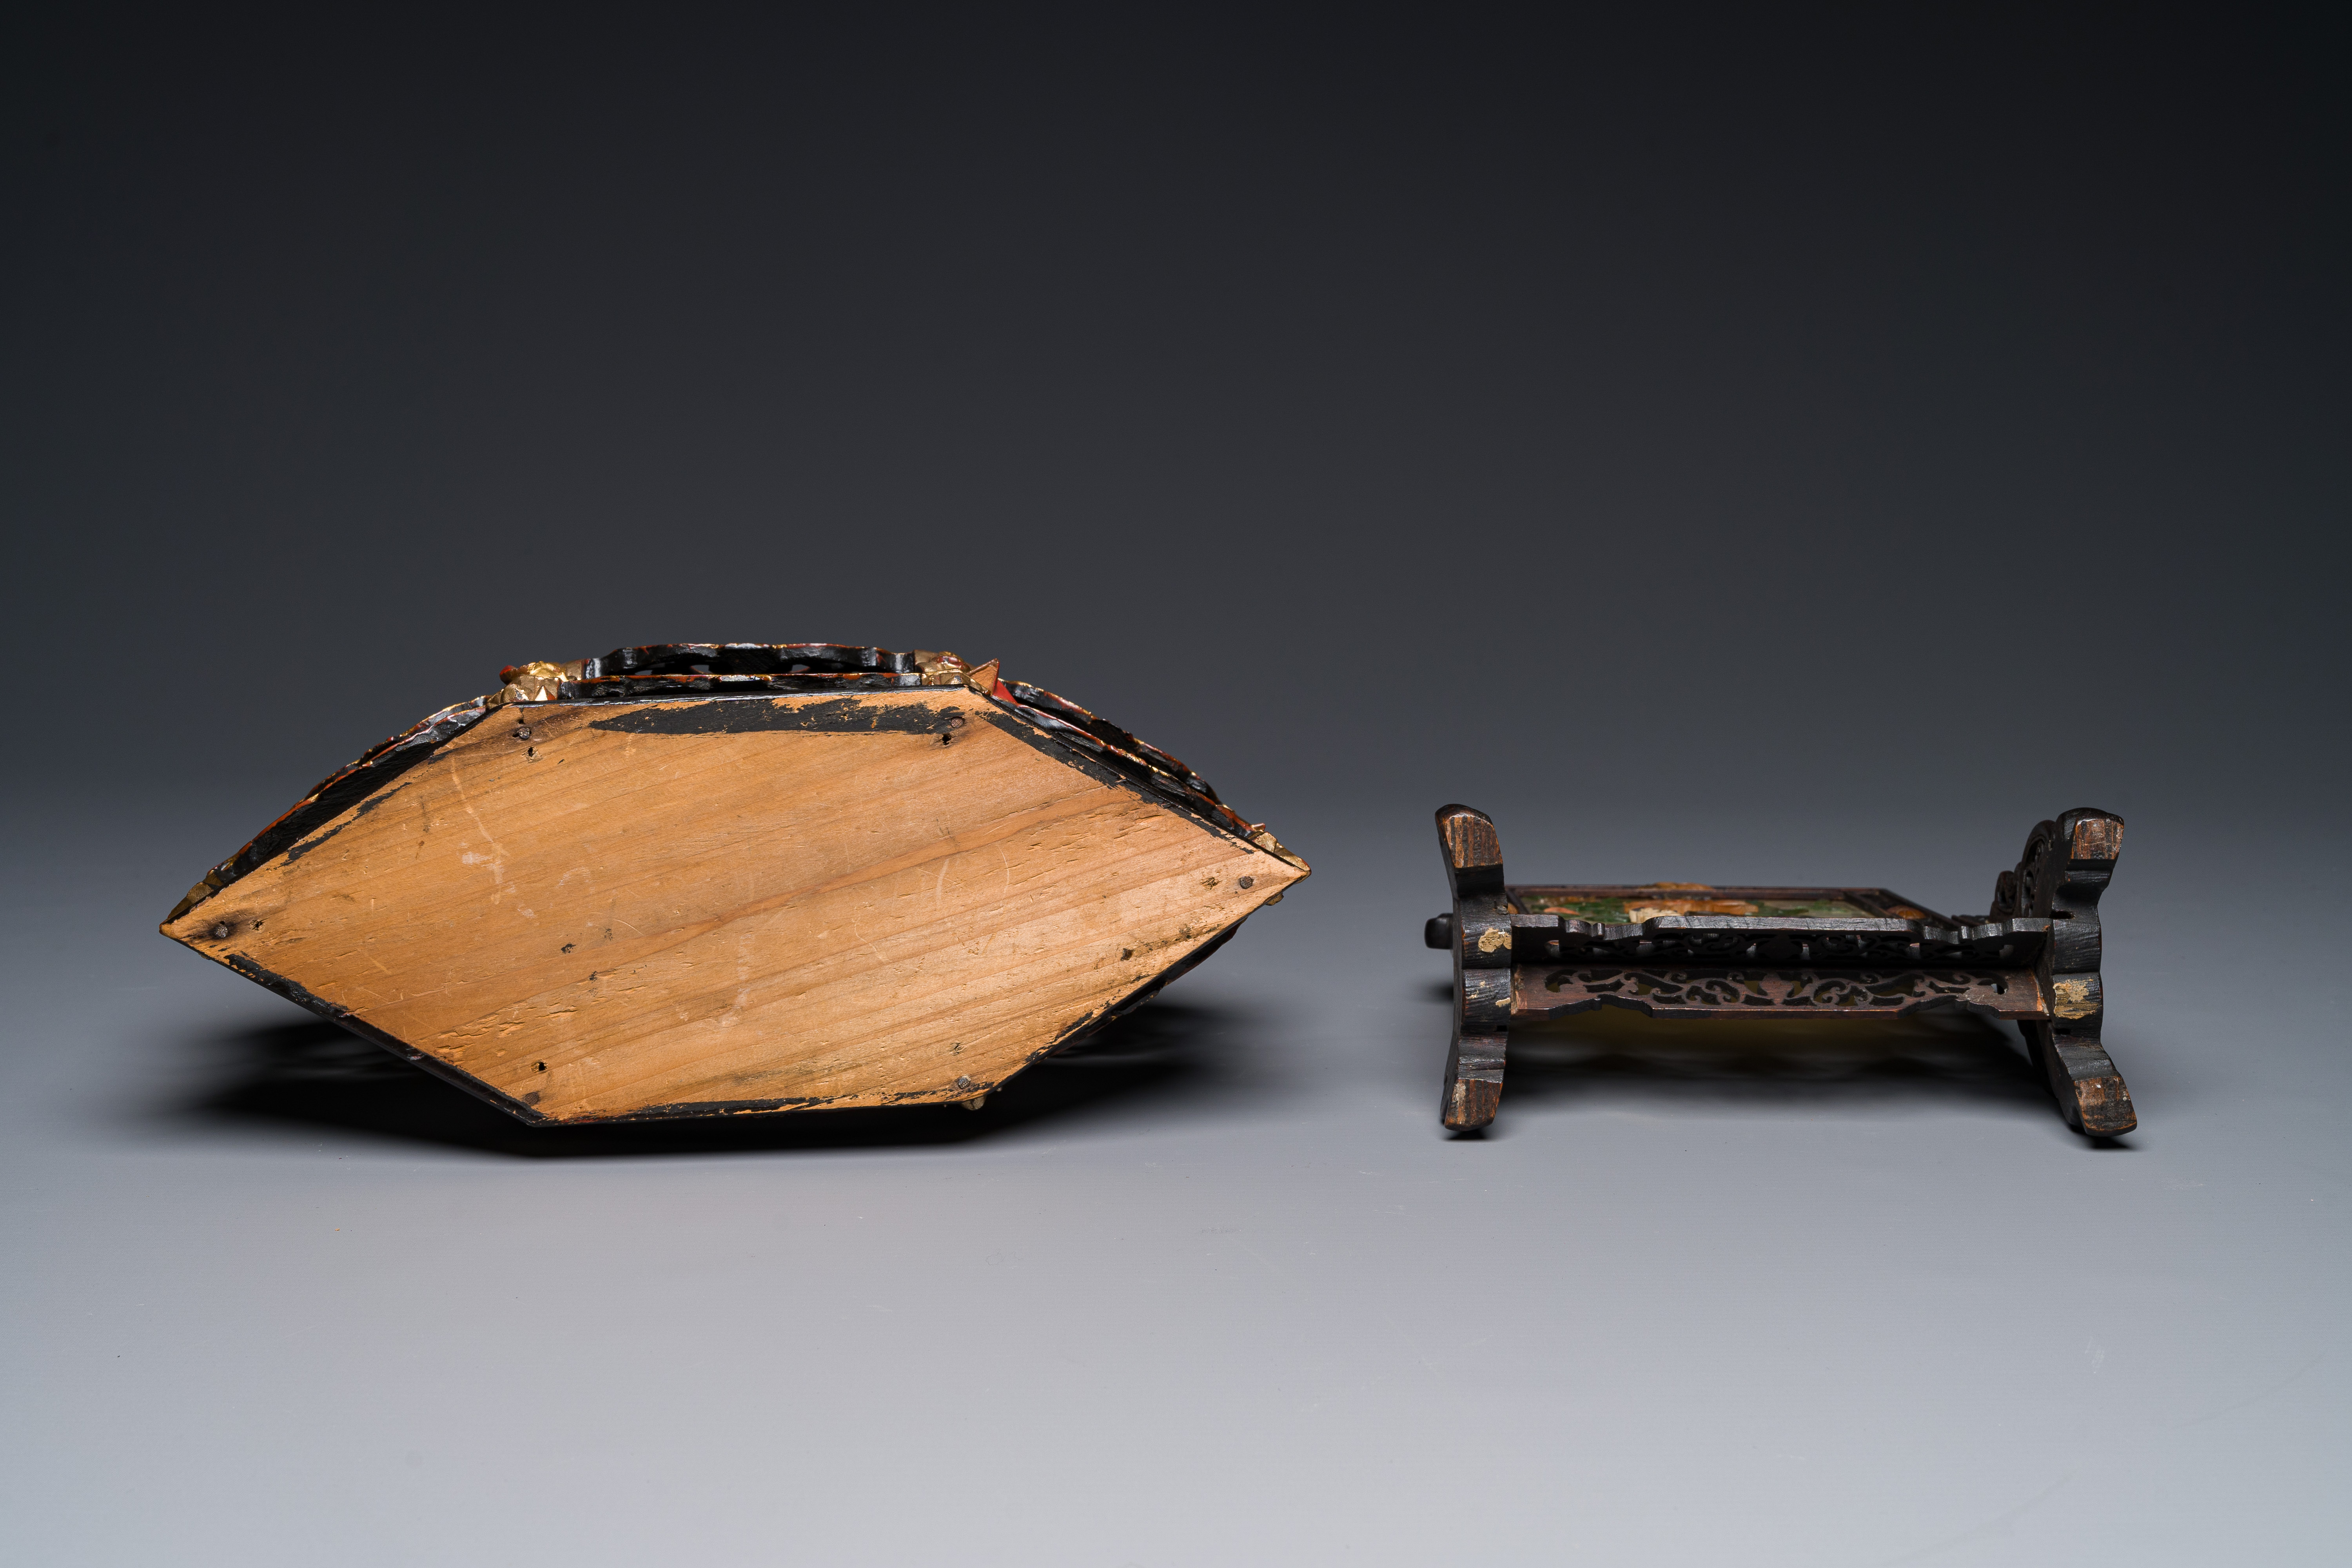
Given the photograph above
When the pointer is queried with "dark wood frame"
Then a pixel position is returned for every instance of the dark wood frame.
(2034, 960)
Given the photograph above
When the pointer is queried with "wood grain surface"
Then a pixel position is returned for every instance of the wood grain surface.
(601, 909)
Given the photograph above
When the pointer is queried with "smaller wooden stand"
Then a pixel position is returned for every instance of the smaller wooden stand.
(1676, 950)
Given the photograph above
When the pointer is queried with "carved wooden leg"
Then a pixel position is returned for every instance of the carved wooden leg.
(2090, 1092)
(2066, 867)
(1481, 941)
(1474, 1079)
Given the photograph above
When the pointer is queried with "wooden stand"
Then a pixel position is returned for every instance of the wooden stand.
(707, 879)
(1685, 951)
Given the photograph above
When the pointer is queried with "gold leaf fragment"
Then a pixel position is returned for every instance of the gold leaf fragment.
(1264, 839)
(2075, 998)
(941, 669)
(538, 681)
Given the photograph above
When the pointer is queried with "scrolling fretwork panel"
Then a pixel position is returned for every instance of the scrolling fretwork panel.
(2010, 993)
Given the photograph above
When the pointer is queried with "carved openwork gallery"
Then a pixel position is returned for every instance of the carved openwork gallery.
(1523, 952)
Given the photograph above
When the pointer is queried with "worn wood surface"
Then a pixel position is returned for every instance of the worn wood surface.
(2065, 868)
(1479, 932)
(591, 909)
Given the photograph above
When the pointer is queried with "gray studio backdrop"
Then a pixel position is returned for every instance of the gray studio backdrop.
(1804, 452)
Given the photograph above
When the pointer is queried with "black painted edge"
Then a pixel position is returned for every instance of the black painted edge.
(302, 996)
(1085, 1029)
(749, 715)
(375, 768)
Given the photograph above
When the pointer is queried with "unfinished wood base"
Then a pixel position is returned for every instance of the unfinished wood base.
(597, 910)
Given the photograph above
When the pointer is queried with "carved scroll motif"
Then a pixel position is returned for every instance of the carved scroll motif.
(1861, 989)
(2025, 892)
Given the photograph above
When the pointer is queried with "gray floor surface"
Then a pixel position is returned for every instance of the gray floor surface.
(1217, 1291)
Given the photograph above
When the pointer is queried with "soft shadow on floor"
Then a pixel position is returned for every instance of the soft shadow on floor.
(1941, 1056)
(311, 1074)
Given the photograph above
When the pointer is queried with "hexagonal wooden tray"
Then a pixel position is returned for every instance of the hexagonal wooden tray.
(697, 880)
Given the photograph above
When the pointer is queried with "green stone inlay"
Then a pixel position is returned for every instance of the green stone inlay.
(1632, 909)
